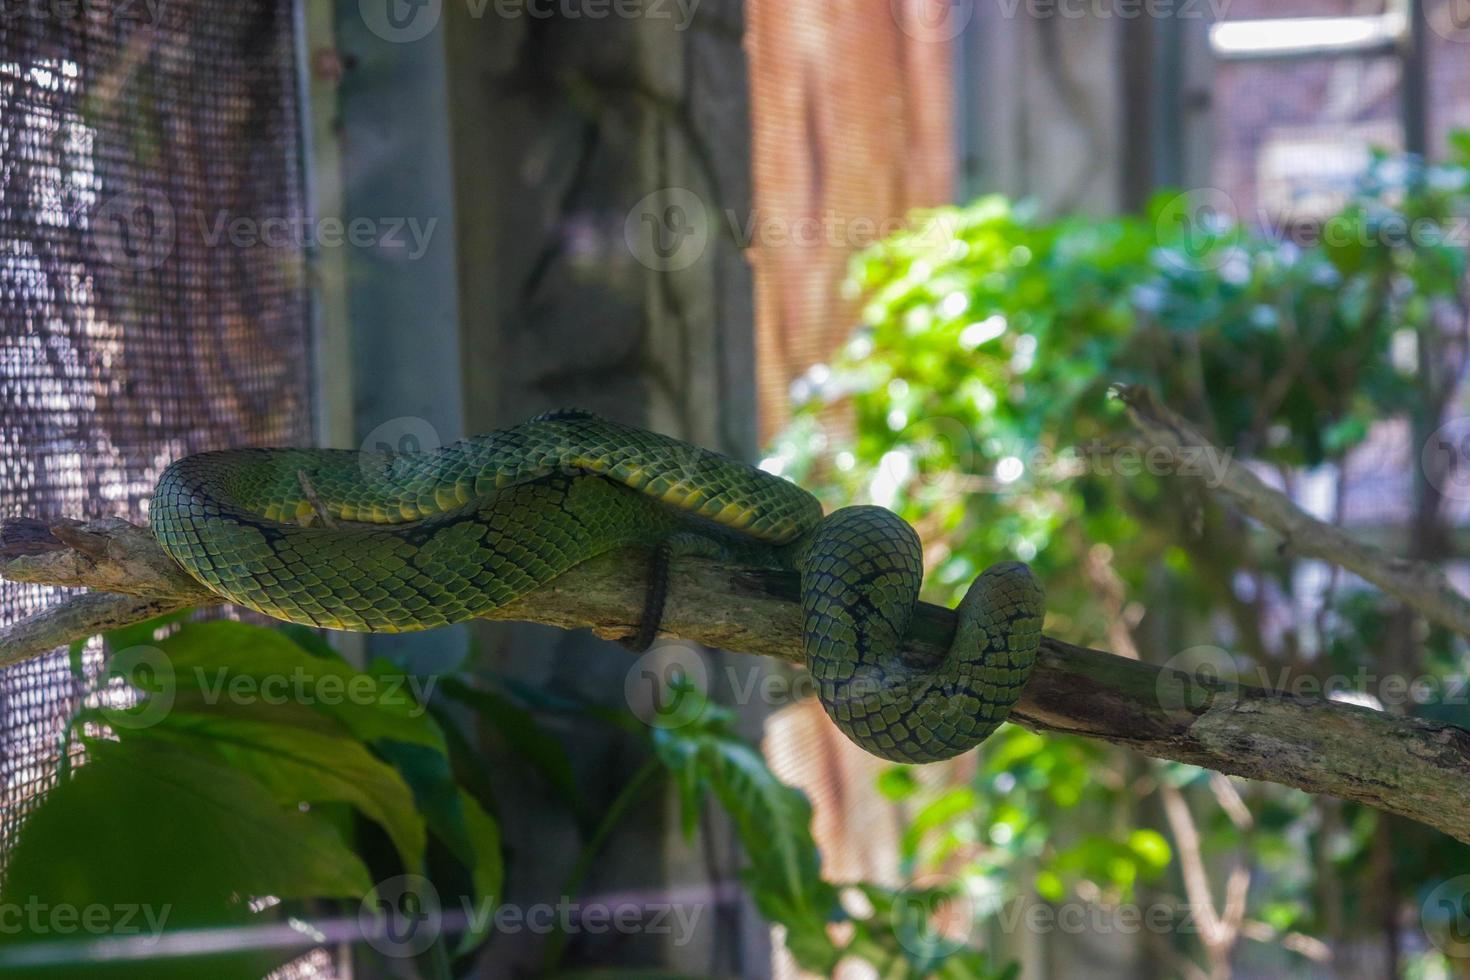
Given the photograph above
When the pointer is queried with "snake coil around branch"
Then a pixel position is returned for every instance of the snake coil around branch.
(389, 543)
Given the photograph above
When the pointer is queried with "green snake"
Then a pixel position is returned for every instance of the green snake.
(383, 542)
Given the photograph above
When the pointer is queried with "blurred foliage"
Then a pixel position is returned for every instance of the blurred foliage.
(890, 929)
(974, 401)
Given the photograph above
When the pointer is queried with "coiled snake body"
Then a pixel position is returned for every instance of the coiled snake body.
(441, 537)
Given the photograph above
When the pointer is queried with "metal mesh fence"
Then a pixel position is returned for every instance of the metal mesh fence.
(1292, 135)
(152, 285)
(851, 128)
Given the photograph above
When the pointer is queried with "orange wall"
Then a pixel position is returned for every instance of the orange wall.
(851, 120)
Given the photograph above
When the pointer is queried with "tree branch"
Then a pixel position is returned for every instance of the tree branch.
(1419, 585)
(1418, 769)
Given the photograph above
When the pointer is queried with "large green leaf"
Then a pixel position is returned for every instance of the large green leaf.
(532, 743)
(487, 870)
(773, 822)
(456, 818)
(244, 664)
(287, 749)
(148, 826)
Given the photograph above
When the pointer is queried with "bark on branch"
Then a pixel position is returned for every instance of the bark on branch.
(1417, 584)
(1418, 769)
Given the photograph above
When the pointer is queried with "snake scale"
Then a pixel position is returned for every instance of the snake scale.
(429, 539)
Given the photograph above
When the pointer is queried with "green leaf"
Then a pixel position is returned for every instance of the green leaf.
(773, 822)
(225, 660)
(1459, 141)
(1050, 887)
(955, 804)
(543, 752)
(456, 818)
(1344, 434)
(142, 634)
(157, 828)
(1151, 847)
(487, 869)
(288, 750)
(897, 783)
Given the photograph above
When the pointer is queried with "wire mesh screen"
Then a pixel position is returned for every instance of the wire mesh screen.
(1448, 81)
(152, 294)
(1292, 136)
(850, 128)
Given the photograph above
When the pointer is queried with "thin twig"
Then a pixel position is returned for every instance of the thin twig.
(1418, 584)
(322, 513)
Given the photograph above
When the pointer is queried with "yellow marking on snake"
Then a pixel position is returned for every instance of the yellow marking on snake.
(461, 531)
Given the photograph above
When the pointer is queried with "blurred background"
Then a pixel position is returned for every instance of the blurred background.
(896, 250)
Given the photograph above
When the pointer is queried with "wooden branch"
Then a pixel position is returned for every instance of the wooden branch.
(1419, 585)
(133, 577)
(1418, 769)
(77, 618)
